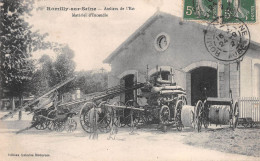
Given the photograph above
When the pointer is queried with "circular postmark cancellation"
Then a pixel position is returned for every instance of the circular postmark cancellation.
(227, 42)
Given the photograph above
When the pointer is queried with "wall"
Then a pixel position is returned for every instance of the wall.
(186, 48)
(256, 80)
(248, 74)
(234, 81)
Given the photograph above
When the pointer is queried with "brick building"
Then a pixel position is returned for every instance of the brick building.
(171, 44)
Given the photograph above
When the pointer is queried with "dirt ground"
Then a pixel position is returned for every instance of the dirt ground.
(242, 140)
(147, 144)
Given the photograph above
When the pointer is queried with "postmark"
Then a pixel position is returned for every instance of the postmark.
(227, 42)
(245, 10)
(204, 10)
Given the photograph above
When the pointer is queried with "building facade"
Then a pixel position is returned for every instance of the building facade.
(165, 42)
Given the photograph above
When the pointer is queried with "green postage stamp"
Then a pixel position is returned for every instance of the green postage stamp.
(200, 9)
(245, 10)
(207, 10)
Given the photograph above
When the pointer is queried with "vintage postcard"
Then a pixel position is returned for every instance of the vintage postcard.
(129, 80)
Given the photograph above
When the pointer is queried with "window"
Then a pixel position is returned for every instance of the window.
(162, 42)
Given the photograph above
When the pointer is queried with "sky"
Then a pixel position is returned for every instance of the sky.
(93, 39)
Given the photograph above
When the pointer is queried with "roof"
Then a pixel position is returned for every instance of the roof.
(254, 45)
(130, 39)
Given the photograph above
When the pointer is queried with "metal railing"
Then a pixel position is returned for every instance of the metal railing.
(250, 107)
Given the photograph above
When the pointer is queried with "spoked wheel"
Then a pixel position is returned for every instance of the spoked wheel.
(135, 113)
(51, 115)
(126, 119)
(198, 116)
(179, 105)
(70, 125)
(205, 115)
(164, 114)
(235, 116)
(146, 117)
(118, 114)
(41, 123)
(59, 125)
(87, 116)
(93, 118)
(183, 98)
(51, 125)
(105, 118)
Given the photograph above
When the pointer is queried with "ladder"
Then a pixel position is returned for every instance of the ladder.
(109, 93)
(20, 108)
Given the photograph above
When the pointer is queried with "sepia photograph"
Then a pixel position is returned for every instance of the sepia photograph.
(129, 80)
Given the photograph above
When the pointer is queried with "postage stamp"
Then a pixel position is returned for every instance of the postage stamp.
(205, 10)
(227, 42)
(245, 10)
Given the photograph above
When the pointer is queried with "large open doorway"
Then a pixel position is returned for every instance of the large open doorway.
(203, 78)
(128, 81)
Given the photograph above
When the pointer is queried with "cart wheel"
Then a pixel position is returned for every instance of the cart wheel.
(59, 126)
(235, 116)
(42, 123)
(70, 125)
(136, 114)
(146, 117)
(51, 125)
(179, 105)
(164, 114)
(51, 115)
(199, 125)
(104, 119)
(87, 121)
(198, 116)
(183, 98)
(118, 114)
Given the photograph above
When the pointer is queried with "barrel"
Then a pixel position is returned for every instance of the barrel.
(187, 115)
(219, 114)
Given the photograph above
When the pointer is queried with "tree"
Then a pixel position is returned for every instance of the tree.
(64, 65)
(62, 68)
(17, 44)
(40, 79)
(91, 81)
(52, 72)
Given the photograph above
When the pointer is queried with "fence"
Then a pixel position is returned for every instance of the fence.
(250, 107)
